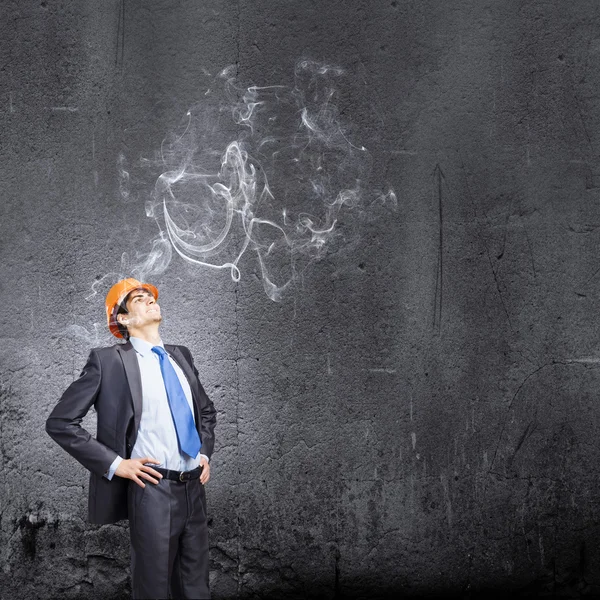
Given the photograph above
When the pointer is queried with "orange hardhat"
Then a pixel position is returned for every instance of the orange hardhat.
(117, 294)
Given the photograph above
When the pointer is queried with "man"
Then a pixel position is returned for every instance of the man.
(150, 458)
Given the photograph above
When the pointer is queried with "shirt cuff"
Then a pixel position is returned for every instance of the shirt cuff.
(206, 457)
(111, 470)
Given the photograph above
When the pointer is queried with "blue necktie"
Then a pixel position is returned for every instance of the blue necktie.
(189, 440)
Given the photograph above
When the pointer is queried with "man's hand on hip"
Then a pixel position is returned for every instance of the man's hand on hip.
(135, 469)
(205, 475)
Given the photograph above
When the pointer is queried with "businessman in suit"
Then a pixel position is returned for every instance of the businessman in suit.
(155, 435)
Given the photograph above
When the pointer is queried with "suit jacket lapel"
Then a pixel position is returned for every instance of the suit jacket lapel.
(134, 379)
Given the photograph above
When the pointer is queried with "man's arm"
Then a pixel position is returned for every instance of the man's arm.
(208, 414)
(64, 423)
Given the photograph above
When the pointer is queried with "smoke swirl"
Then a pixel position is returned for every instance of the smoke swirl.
(266, 169)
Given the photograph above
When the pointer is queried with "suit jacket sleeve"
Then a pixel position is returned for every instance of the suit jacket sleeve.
(64, 423)
(208, 414)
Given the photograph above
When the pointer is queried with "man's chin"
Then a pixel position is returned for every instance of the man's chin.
(153, 318)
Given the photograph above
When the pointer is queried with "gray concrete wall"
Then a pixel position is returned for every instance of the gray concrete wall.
(420, 414)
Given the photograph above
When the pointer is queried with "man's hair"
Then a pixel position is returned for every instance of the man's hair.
(122, 310)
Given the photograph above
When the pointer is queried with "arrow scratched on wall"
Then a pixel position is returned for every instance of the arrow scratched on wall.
(438, 181)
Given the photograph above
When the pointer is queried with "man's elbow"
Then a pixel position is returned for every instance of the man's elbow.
(54, 427)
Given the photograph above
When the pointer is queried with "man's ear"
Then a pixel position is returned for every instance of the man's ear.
(122, 319)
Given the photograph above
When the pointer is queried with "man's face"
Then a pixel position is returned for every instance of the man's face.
(142, 309)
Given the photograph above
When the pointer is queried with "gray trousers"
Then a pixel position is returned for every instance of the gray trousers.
(169, 540)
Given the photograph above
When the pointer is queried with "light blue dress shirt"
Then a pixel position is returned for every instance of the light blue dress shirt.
(156, 436)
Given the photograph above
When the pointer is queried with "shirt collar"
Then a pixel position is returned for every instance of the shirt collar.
(143, 347)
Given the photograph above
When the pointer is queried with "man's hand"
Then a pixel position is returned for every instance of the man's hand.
(134, 468)
(205, 476)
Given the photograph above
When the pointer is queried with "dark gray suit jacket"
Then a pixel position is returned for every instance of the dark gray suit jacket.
(111, 382)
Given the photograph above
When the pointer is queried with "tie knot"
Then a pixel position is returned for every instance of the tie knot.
(160, 351)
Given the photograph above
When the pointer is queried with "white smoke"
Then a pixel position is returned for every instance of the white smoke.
(261, 168)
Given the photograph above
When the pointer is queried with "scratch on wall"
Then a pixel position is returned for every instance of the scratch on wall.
(438, 179)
